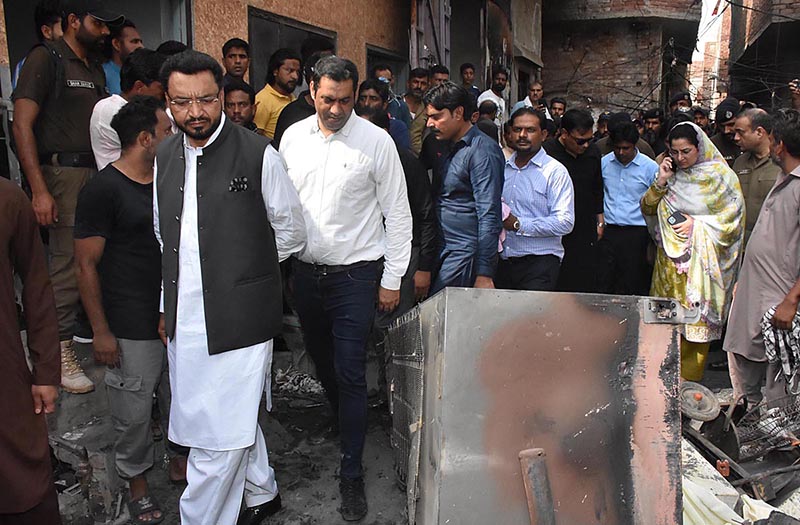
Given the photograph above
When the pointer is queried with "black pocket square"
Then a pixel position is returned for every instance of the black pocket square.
(238, 184)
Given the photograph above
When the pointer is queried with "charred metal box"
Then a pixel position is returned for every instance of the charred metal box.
(479, 375)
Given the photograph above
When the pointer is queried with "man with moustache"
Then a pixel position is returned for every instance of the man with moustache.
(124, 40)
(240, 104)
(236, 59)
(225, 214)
(539, 193)
(534, 100)
(574, 149)
(770, 274)
(439, 74)
(58, 87)
(701, 118)
(725, 117)
(756, 168)
(417, 86)
(654, 132)
(558, 106)
(496, 95)
(359, 227)
(468, 203)
(283, 74)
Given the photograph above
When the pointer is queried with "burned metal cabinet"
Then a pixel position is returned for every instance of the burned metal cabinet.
(580, 376)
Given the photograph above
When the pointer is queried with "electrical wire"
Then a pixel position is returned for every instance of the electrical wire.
(762, 11)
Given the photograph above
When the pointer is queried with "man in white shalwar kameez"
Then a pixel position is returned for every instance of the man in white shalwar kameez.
(225, 213)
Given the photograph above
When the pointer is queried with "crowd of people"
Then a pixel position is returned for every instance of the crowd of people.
(178, 203)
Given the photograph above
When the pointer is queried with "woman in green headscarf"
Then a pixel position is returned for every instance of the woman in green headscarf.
(695, 212)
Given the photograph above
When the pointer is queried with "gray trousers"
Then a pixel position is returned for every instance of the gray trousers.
(747, 377)
(142, 372)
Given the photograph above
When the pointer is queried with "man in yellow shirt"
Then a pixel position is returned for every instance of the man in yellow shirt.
(282, 77)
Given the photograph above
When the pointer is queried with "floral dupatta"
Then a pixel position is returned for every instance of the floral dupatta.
(710, 193)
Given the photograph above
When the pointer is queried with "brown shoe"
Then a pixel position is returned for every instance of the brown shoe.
(73, 379)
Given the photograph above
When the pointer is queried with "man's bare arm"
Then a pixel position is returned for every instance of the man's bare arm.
(26, 112)
(88, 253)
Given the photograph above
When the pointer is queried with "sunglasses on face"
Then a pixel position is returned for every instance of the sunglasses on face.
(580, 142)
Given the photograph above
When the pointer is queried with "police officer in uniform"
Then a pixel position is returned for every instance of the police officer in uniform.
(725, 117)
(57, 89)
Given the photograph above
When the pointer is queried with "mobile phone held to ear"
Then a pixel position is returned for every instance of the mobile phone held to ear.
(676, 218)
(674, 164)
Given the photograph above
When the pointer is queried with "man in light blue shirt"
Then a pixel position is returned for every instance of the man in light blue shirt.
(539, 193)
(125, 39)
(627, 174)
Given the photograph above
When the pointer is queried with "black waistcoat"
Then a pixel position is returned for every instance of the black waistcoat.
(238, 256)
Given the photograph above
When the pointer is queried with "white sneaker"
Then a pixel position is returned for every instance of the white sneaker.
(73, 379)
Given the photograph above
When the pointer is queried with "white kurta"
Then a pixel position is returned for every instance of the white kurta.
(215, 398)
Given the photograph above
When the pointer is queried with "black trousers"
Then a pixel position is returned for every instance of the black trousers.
(623, 260)
(531, 272)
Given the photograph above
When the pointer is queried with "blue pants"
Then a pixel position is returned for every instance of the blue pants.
(457, 269)
(336, 312)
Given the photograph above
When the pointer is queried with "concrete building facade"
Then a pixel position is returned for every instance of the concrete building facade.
(617, 55)
(764, 50)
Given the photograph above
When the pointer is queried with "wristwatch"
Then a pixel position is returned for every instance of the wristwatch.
(516, 225)
(601, 225)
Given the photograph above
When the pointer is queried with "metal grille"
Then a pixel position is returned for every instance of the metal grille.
(769, 426)
(404, 341)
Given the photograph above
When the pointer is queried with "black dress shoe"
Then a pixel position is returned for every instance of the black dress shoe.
(354, 501)
(257, 515)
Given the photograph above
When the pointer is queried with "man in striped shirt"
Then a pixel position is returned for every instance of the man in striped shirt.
(539, 193)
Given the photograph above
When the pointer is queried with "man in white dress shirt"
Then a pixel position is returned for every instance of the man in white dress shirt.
(225, 213)
(139, 76)
(353, 191)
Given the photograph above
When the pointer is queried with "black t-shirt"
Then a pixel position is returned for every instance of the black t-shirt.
(120, 210)
(295, 111)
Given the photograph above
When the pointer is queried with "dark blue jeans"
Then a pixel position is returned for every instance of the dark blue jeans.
(336, 314)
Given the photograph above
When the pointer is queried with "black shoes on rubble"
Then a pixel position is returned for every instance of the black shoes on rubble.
(354, 501)
(257, 515)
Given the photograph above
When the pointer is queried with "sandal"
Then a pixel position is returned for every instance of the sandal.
(144, 505)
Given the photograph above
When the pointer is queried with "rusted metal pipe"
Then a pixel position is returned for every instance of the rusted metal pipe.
(537, 486)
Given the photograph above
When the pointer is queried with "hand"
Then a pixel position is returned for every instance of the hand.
(508, 224)
(784, 314)
(665, 171)
(422, 284)
(601, 228)
(684, 229)
(44, 398)
(388, 299)
(162, 329)
(106, 349)
(45, 209)
(484, 282)
(794, 89)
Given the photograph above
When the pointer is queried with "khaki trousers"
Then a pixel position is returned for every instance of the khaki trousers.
(64, 184)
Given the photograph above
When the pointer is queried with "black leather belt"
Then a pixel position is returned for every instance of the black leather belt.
(68, 160)
(325, 269)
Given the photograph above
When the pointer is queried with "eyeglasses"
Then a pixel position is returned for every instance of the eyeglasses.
(185, 103)
(580, 142)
